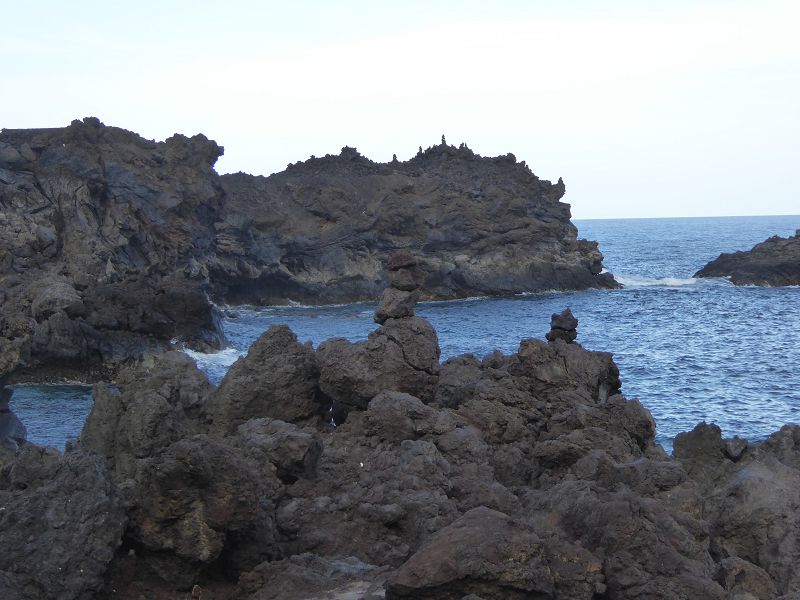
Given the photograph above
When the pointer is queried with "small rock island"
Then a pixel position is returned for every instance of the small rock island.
(774, 262)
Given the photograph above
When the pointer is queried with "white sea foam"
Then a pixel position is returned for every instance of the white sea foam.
(633, 281)
(215, 360)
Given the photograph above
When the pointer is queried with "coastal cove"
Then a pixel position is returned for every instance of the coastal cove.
(689, 349)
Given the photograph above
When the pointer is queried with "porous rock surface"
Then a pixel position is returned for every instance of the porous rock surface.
(112, 247)
(322, 230)
(102, 236)
(773, 262)
(514, 476)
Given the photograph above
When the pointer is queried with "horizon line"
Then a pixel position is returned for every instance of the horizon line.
(680, 217)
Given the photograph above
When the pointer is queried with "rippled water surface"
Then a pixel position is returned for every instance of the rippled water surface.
(690, 350)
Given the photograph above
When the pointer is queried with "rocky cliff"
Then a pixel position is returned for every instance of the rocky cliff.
(321, 231)
(773, 262)
(113, 246)
(371, 470)
(102, 235)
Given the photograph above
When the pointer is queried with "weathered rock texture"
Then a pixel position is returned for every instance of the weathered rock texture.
(322, 230)
(563, 326)
(101, 238)
(773, 262)
(111, 245)
(513, 477)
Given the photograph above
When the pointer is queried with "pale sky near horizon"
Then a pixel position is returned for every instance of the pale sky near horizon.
(677, 109)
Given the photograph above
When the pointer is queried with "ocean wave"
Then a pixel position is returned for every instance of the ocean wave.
(635, 281)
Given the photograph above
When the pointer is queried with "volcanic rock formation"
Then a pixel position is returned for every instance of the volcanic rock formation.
(112, 246)
(516, 476)
(322, 230)
(563, 326)
(773, 262)
(102, 236)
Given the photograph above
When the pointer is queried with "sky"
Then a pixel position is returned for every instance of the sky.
(646, 109)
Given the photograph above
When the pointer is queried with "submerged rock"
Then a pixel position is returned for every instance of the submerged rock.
(773, 262)
(61, 522)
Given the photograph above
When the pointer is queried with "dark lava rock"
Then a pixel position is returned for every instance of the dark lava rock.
(61, 521)
(401, 355)
(322, 230)
(750, 502)
(277, 378)
(401, 296)
(111, 246)
(773, 262)
(396, 304)
(563, 327)
(514, 476)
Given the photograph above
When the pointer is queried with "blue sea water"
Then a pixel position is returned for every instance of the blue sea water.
(691, 350)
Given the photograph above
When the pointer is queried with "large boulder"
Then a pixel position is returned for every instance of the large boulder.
(277, 379)
(61, 521)
(322, 230)
(495, 557)
(750, 500)
(158, 403)
(402, 355)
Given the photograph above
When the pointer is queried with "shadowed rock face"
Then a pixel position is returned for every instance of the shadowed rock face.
(773, 262)
(102, 236)
(111, 245)
(525, 475)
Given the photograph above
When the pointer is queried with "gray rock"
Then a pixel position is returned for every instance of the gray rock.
(396, 304)
(563, 327)
(61, 523)
(402, 355)
(773, 262)
(277, 379)
(487, 553)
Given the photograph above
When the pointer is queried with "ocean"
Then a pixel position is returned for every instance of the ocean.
(689, 349)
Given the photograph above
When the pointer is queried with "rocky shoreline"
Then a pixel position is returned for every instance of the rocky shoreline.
(114, 247)
(372, 470)
(774, 262)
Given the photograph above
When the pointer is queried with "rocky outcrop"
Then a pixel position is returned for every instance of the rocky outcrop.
(563, 326)
(112, 246)
(61, 522)
(512, 476)
(773, 262)
(322, 230)
(102, 239)
(752, 504)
